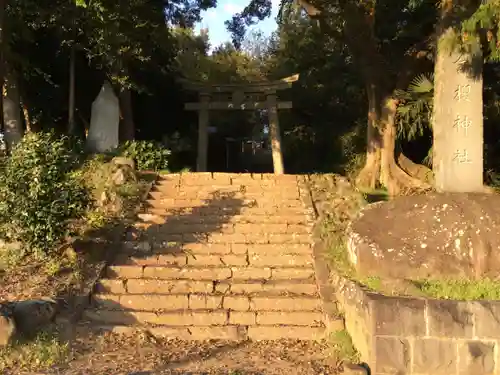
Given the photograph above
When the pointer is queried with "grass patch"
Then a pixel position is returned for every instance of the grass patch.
(337, 254)
(342, 344)
(40, 353)
(461, 289)
(372, 282)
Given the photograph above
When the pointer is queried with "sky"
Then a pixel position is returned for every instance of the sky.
(214, 18)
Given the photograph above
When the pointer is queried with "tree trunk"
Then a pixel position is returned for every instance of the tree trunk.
(12, 110)
(28, 126)
(369, 176)
(381, 167)
(419, 171)
(71, 97)
(127, 128)
(458, 113)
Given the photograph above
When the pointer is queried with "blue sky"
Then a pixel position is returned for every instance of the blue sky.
(213, 19)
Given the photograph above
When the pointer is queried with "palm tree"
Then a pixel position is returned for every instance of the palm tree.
(415, 110)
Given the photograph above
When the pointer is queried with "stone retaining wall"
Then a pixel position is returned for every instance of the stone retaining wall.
(407, 336)
(410, 336)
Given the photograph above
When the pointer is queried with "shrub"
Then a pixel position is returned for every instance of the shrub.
(40, 193)
(112, 201)
(146, 154)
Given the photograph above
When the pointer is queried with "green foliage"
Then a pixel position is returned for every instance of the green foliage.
(461, 289)
(484, 22)
(112, 202)
(415, 110)
(149, 156)
(40, 193)
(343, 346)
(44, 351)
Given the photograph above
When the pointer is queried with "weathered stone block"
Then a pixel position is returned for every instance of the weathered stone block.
(286, 260)
(218, 333)
(296, 318)
(398, 316)
(245, 318)
(487, 318)
(205, 302)
(436, 357)
(152, 302)
(237, 303)
(292, 273)
(476, 357)
(251, 273)
(358, 318)
(450, 319)
(285, 332)
(110, 286)
(285, 304)
(392, 355)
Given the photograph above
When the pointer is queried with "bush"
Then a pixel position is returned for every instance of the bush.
(111, 200)
(148, 156)
(40, 193)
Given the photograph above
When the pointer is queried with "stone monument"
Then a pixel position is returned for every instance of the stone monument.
(458, 115)
(104, 121)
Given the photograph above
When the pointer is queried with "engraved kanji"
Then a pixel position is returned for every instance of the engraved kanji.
(462, 122)
(462, 93)
(461, 156)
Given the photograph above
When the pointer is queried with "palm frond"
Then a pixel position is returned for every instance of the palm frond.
(422, 84)
(415, 109)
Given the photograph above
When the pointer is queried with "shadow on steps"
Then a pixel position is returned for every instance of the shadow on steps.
(148, 285)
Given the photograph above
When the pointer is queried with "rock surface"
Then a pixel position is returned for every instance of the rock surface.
(7, 325)
(352, 369)
(104, 121)
(31, 316)
(25, 317)
(119, 160)
(454, 235)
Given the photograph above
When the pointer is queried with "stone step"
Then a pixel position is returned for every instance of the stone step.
(209, 302)
(145, 248)
(305, 287)
(216, 178)
(204, 317)
(227, 332)
(216, 219)
(208, 273)
(174, 186)
(232, 204)
(222, 238)
(244, 228)
(223, 192)
(252, 259)
(230, 211)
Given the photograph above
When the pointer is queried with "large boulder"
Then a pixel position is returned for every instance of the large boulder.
(7, 326)
(431, 235)
(25, 318)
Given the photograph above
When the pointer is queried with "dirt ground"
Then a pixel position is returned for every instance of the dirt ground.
(112, 354)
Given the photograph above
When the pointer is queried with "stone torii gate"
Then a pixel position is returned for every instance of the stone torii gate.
(248, 96)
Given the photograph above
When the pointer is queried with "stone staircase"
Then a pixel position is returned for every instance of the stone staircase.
(216, 256)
